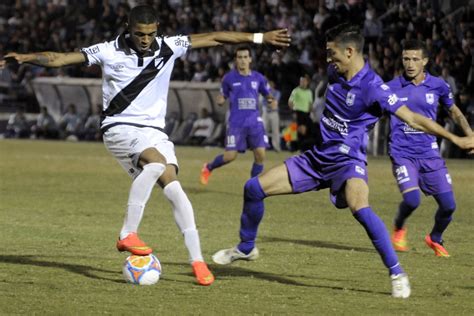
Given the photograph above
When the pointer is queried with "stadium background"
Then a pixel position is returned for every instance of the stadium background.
(63, 25)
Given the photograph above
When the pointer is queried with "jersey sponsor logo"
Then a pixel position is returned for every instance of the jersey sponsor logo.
(117, 67)
(350, 99)
(335, 123)
(360, 170)
(236, 84)
(430, 98)
(402, 174)
(92, 50)
(392, 99)
(403, 99)
(344, 149)
(181, 42)
(254, 85)
(247, 104)
(407, 129)
(385, 87)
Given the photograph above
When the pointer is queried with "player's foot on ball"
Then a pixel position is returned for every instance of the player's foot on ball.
(438, 248)
(134, 245)
(202, 273)
(226, 256)
(400, 285)
(205, 174)
(399, 239)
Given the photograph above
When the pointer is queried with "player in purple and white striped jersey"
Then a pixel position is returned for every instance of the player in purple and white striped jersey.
(417, 163)
(355, 98)
(245, 129)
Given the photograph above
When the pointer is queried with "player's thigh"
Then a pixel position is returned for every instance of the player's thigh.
(406, 173)
(357, 194)
(434, 176)
(275, 181)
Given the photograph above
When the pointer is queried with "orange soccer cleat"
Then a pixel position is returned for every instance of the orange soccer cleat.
(438, 248)
(134, 245)
(399, 239)
(205, 174)
(202, 273)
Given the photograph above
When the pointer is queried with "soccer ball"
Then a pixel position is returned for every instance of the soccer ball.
(142, 270)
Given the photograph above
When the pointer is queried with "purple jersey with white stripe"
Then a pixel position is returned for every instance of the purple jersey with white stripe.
(352, 108)
(242, 92)
(406, 141)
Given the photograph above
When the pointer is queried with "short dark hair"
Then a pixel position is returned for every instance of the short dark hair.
(346, 33)
(242, 48)
(143, 14)
(416, 45)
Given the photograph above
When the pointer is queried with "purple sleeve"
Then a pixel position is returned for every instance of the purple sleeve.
(225, 87)
(264, 87)
(445, 95)
(381, 93)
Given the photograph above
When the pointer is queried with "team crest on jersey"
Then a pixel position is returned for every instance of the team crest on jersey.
(429, 98)
(254, 85)
(350, 98)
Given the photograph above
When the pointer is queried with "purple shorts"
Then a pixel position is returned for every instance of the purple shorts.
(241, 138)
(429, 174)
(307, 174)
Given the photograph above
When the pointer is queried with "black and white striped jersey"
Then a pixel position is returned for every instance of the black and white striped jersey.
(135, 86)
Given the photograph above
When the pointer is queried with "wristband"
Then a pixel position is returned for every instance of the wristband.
(258, 38)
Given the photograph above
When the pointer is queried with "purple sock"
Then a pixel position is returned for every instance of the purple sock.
(252, 214)
(411, 200)
(443, 217)
(378, 234)
(256, 170)
(216, 163)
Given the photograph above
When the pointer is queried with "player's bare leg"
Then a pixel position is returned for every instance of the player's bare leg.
(184, 217)
(259, 157)
(357, 197)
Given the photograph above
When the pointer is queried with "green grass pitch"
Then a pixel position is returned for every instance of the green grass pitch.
(62, 205)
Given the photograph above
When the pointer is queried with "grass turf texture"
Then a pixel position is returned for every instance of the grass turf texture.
(62, 205)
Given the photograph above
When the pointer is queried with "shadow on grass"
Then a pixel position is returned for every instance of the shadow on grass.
(87, 271)
(316, 244)
(233, 272)
(206, 190)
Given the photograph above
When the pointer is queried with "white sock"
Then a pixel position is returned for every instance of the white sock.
(184, 218)
(140, 192)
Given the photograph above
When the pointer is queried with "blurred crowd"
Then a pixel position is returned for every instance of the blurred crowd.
(65, 25)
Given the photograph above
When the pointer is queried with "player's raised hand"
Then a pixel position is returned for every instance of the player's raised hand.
(19, 58)
(279, 38)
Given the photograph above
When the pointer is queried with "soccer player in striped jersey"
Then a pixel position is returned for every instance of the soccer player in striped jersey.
(417, 163)
(355, 98)
(136, 69)
(245, 128)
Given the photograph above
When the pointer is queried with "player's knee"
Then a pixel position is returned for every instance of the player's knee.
(156, 169)
(447, 204)
(253, 190)
(412, 199)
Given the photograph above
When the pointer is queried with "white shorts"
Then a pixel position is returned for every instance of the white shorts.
(126, 143)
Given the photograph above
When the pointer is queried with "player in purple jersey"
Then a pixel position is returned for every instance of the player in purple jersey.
(245, 126)
(355, 97)
(417, 164)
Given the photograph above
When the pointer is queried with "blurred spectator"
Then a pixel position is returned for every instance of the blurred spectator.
(17, 126)
(45, 126)
(91, 129)
(70, 124)
(301, 102)
(271, 117)
(202, 128)
(449, 79)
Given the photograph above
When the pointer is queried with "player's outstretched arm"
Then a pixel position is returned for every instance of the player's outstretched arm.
(426, 125)
(279, 38)
(45, 59)
(460, 120)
